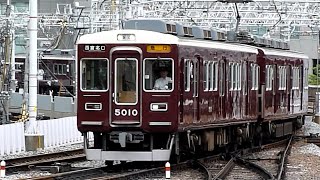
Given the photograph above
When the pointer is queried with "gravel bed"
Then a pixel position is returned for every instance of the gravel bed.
(88, 164)
(304, 160)
(186, 174)
(302, 164)
(239, 172)
(24, 175)
(43, 151)
(269, 165)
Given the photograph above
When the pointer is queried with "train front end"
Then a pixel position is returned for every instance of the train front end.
(128, 95)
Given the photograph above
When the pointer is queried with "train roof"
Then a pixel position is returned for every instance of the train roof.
(286, 53)
(218, 45)
(140, 37)
(152, 37)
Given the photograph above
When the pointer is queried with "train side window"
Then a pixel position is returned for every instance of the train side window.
(282, 77)
(94, 74)
(255, 69)
(257, 76)
(231, 76)
(158, 74)
(206, 75)
(285, 77)
(305, 78)
(300, 71)
(195, 78)
(269, 77)
(215, 76)
(238, 76)
(253, 75)
(295, 78)
(187, 75)
(222, 78)
(210, 75)
(244, 67)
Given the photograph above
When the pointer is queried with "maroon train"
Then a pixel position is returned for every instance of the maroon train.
(219, 94)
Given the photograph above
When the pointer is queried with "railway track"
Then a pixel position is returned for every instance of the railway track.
(32, 162)
(213, 167)
(240, 167)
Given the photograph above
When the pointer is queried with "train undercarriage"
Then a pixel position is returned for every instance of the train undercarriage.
(139, 146)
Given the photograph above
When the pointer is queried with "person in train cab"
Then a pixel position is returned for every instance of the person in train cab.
(163, 82)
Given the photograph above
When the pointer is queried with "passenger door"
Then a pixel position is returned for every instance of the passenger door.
(125, 86)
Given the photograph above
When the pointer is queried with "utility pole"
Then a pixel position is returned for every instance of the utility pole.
(13, 62)
(33, 66)
(4, 95)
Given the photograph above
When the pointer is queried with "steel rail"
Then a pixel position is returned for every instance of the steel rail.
(24, 163)
(226, 169)
(204, 168)
(254, 167)
(283, 158)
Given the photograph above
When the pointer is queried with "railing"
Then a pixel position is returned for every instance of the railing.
(12, 138)
(57, 132)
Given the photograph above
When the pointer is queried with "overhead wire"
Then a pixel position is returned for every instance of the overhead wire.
(277, 11)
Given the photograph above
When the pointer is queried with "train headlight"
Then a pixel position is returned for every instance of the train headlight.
(158, 106)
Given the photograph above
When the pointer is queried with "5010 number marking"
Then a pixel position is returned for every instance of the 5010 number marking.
(125, 112)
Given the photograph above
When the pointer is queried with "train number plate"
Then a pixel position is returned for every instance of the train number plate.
(125, 112)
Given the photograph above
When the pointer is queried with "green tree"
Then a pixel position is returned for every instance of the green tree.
(313, 78)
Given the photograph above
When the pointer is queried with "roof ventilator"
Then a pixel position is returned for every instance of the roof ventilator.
(175, 28)
(156, 25)
(185, 31)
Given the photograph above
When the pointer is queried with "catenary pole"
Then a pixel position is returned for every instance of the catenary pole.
(33, 67)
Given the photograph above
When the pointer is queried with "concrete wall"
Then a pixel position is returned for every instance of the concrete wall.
(56, 107)
(308, 45)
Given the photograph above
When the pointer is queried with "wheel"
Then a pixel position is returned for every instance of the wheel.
(108, 163)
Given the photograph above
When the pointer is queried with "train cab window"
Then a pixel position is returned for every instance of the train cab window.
(94, 74)
(158, 74)
(126, 81)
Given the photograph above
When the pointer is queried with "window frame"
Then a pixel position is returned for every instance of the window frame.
(245, 78)
(107, 76)
(143, 75)
(115, 81)
(187, 82)
(205, 80)
(269, 77)
(255, 71)
(222, 76)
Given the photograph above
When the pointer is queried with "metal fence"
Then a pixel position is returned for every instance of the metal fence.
(57, 132)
